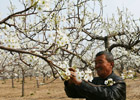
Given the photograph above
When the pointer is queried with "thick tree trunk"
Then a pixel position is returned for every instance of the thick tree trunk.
(44, 78)
(106, 41)
(23, 80)
(37, 82)
(12, 81)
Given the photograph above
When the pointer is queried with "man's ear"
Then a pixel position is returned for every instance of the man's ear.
(112, 64)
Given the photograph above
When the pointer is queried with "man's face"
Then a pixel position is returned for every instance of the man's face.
(102, 66)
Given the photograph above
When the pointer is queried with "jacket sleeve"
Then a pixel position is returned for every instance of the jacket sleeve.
(115, 92)
(73, 90)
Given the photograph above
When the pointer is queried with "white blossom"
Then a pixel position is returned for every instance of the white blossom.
(109, 82)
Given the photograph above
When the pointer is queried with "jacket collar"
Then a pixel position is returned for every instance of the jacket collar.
(110, 76)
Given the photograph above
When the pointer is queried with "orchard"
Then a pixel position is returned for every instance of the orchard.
(44, 38)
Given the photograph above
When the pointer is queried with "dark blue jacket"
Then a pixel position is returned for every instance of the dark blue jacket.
(97, 90)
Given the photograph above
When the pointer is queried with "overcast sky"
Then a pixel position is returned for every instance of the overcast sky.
(110, 6)
(132, 5)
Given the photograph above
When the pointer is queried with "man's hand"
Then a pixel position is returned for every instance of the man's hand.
(73, 77)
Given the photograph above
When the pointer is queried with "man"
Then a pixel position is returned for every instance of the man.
(98, 89)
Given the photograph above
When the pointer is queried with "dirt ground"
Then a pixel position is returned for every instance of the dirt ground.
(53, 90)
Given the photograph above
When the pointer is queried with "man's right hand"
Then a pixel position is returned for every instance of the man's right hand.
(73, 77)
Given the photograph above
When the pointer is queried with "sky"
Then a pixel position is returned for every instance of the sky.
(132, 5)
(110, 6)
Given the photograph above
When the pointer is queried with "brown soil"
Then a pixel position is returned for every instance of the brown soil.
(53, 90)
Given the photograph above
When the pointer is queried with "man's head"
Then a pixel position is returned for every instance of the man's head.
(104, 63)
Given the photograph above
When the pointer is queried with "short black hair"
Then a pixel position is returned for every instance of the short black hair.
(109, 55)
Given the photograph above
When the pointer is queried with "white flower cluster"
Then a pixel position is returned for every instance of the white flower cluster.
(61, 39)
(109, 82)
(86, 75)
(31, 59)
(80, 75)
(11, 41)
(42, 4)
(128, 74)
